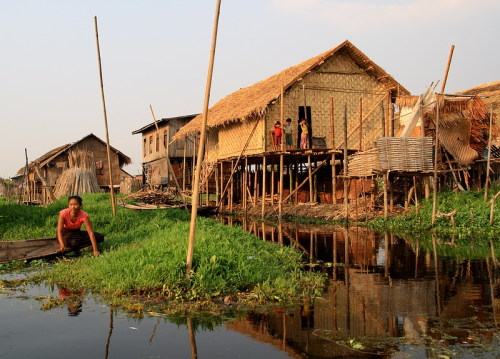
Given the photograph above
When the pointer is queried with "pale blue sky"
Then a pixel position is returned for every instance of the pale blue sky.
(156, 52)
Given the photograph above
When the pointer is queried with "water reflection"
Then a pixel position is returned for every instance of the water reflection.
(386, 296)
(385, 293)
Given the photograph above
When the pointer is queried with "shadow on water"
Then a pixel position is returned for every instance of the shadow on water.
(386, 297)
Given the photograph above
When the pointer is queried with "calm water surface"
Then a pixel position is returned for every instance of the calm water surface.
(386, 298)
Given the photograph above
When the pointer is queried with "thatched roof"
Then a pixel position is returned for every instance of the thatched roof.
(49, 156)
(253, 101)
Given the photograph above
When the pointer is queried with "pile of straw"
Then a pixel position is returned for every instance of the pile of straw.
(80, 177)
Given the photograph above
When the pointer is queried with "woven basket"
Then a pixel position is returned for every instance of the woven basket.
(405, 153)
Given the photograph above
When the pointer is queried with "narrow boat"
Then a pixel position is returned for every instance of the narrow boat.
(29, 249)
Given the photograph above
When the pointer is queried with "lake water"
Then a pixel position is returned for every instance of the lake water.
(387, 297)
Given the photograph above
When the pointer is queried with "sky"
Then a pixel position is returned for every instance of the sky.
(157, 52)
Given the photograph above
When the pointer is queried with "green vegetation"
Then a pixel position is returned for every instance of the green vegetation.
(144, 253)
(472, 216)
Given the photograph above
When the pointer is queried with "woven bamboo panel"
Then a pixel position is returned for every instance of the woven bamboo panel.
(363, 164)
(405, 153)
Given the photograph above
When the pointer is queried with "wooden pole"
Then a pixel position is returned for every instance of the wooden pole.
(436, 153)
(263, 203)
(346, 169)
(386, 179)
(231, 189)
(27, 176)
(332, 129)
(280, 204)
(492, 207)
(184, 166)
(361, 124)
(108, 149)
(221, 200)
(217, 193)
(309, 171)
(445, 77)
(201, 150)
(255, 185)
(272, 184)
(488, 163)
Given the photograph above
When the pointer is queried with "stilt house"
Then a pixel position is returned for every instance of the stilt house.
(318, 90)
(158, 148)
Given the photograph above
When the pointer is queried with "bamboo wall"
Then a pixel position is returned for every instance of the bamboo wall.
(342, 79)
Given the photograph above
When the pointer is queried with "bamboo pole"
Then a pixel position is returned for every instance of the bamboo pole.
(263, 203)
(201, 150)
(436, 153)
(272, 184)
(360, 124)
(445, 77)
(309, 171)
(386, 179)
(184, 166)
(488, 162)
(346, 169)
(332, 129)
(245, 186)
(221, 199)
(108, 149)
(296, 200)
(231, 189)
(280, 204)
(27, 177)
(492, 206)
(255, 185)
(216, 186)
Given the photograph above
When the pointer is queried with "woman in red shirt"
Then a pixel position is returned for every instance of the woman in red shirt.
(69, 234)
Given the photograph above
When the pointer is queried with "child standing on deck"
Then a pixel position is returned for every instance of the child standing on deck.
(288, 134)
(304, 136)
(277, 136)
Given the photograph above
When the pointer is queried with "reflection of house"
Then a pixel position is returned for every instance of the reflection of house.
(53, 163)
(157, 147)
(343, 75)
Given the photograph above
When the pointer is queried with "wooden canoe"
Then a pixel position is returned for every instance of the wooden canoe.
(28, 249)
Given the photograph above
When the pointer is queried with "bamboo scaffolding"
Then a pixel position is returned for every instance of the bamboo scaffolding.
(108, 149)
(201, 150)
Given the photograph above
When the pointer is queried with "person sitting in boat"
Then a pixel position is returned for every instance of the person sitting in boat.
(69, 234)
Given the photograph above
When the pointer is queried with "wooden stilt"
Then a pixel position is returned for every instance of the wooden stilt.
(255, 182)
(245, 187)
(280, 205)
(272, 184)
(416, 194)
(290, 175)
(217, 193)
(263, 203)
(296, 201)
(311, 185)
(231, 189)
(386, 179)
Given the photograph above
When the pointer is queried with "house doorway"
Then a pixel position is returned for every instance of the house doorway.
(304, 114)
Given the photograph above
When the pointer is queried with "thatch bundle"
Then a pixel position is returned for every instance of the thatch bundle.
(80, 177)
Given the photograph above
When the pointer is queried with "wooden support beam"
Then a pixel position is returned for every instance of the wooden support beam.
(263, 202)
(346, 170)
(309, 171)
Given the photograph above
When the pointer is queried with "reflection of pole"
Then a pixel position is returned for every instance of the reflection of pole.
(110, 332)
(493, 257)
(436, 271)
(192, 338)
(346, 277)
(492, 291)
(334, 260)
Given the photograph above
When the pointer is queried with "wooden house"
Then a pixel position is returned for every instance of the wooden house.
(158, 147)
(53, 163)
(319, 90)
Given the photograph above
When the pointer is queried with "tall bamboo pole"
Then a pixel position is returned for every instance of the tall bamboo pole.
(201, 149)
(332, 129)
(184, 166)
(282, 118)
(436, 153)
(443, 85)
(108, 149)
(361, 124)
(488, 163)
(346, 179)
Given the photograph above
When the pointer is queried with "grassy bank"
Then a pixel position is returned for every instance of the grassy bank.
(144, 253)
(472, 216)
